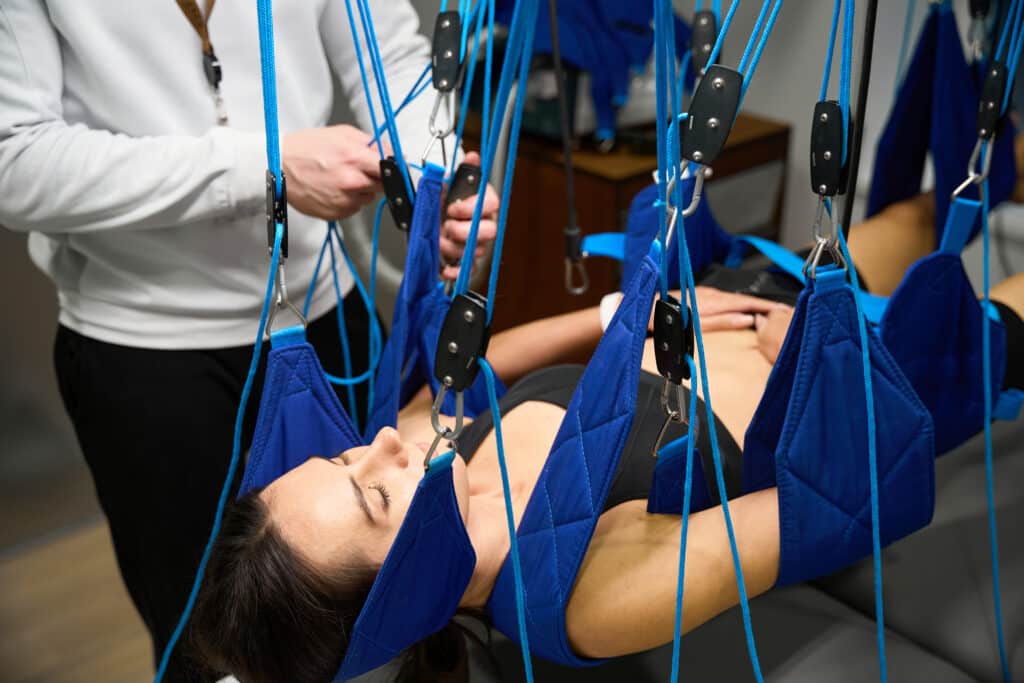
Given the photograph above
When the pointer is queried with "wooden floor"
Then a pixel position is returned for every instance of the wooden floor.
(65, 616)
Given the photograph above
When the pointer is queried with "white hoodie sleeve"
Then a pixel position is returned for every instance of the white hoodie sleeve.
(61, 178)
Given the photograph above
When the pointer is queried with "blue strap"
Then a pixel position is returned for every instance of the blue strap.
(606, 244)
(959, 223)
(787, 261)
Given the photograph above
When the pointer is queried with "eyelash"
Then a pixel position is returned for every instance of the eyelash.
(380, 488)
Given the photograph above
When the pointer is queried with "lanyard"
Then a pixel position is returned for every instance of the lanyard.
(211, 65)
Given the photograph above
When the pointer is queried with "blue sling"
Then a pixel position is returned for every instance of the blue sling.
(559, 519)
(934, 112)
(408, 357)
(430, 563)
(932, 326)
(808, 437)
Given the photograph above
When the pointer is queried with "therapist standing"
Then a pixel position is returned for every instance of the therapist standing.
(142, 184)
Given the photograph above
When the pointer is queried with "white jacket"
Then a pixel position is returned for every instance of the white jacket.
(147, 215)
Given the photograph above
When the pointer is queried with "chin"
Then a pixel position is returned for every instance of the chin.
(460, 479)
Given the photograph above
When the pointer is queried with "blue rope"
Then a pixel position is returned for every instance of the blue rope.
(831, 49)
(362, 74)
(517, 571)
(717, 49)
(236, 450)
(684, 522)
(346, 350)
(417, 89)
(762, 41)
(670, 159)
(755, 32)
(993, 530)
(468, 89)
(1014, 49)
(869, 398)
(514, 48)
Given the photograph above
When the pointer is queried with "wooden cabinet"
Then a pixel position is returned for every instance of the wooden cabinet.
(532, 271)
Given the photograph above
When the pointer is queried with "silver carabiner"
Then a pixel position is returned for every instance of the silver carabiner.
(676, 414)
(572, 268)
(976, 177)
(823, 243)
(281, 301)
(442, 432)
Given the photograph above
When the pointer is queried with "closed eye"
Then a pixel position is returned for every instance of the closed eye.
(384, 494)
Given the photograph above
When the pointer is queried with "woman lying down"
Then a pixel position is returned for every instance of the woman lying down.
(295, 561)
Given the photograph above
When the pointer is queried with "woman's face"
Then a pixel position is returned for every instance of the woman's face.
(328, 508)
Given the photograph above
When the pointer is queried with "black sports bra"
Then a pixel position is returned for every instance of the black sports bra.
(632, 480)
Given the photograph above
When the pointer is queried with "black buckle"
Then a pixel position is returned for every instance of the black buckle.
(277, 211)
(399, 202)
(573, 244)
(993, 92)
(828, 172)
(672, 341)
(211, 67)
(712, 112)
(462, 342)
(702, 39)
(445, 53)
(465, 183)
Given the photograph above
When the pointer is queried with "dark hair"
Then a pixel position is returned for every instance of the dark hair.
(265, 614)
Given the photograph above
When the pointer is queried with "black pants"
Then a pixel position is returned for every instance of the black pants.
(156, 429)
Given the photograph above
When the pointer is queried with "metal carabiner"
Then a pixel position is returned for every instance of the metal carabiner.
(572, 268)
(676, 414)
(281, 301)
(442, 432)
(976, 177)
(823, 243)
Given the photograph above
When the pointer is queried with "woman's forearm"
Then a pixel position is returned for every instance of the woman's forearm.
(559, 339)
(625, 595)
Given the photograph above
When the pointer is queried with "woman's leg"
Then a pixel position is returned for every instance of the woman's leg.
(1008, 295)
(887, 244)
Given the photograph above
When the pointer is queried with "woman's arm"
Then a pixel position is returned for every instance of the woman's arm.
(625, 595)
(570, 337)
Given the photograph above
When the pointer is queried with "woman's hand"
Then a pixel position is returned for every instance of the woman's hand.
(456, 224)
(724, 310)
(772, 328)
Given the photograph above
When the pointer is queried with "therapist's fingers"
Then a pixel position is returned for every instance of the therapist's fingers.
(462, 210)
(458, 231)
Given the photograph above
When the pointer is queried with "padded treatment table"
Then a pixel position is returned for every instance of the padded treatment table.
(938, 582)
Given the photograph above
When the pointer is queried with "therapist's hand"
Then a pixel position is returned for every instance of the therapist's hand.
(456, 223)
(772, 328)
(721, 311)
(332, 172)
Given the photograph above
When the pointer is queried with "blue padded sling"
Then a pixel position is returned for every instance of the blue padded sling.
(419, 312)
(935, 111)
(932, 328)
(668, 482)
(706, 240)
(428, 568)
(808, 437)
(558, 522)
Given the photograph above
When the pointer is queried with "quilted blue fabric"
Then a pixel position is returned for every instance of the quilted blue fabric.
(559, 519)
(935, 111)
(430, 563)
(421, 581)
(809, 438)
(932, 328)
(666, 495)
(407, 360)
(705, 238)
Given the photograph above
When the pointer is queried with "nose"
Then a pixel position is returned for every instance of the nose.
(387, 450)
